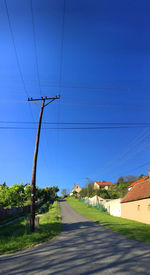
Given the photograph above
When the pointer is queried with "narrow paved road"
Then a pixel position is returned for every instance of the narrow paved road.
(82, 248)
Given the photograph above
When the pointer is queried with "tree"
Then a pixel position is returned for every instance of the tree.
(4, 196)
(49, 193)
(120, 180)
(27, 192)
(64, 192)
(17, 196)
(103, 194)
(4, 184)
(83, 192)
(141, 176)
(75, 193)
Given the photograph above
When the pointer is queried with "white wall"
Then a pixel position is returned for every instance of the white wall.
(114, 207)
(96, 200)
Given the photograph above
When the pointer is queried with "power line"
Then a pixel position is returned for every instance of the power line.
(75, 128)
(89, 82)
(91, 105)
(129, 155)
(146, 124)
(15, 49)
(140, 166)
(62, 45)
(60, 77)
(106, 106)
(123, 107)
(35, 46)
(128, 89)
(109, 89)
(115, 162)
(16, 54)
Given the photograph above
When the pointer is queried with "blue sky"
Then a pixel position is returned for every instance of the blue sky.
(96, 55)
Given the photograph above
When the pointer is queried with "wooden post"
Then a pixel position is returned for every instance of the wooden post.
(32, 219)
(32, 222)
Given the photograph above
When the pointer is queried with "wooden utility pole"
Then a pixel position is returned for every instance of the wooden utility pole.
(43, 99)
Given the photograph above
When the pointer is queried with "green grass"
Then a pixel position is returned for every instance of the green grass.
(6, 220)
(17, 236)
(131, 229)
(12, 218)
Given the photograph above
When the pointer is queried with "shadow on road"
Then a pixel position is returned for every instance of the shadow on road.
(82, 248)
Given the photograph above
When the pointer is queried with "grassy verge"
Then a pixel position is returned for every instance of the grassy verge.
(132, 229)
(17, 236)
(9, 219)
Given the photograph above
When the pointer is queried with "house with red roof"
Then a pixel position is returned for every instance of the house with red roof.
(138, 181)
(76, 188)
(136, 204)
(101, 185)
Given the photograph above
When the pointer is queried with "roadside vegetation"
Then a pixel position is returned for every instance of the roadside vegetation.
(20, 194)
(17, 235)
(131, 229)
(10, 219)
(118, 190)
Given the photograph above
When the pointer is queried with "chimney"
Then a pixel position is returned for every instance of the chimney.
(149, 173)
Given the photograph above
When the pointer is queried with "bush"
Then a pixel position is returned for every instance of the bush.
(44, 207)
(100, 207)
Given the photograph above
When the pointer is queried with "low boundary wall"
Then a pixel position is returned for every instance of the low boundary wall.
(13, 211)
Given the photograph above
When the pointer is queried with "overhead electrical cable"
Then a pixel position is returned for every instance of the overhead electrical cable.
(75, 128)
(117, 160)
(60, 79)
(62, 45)
(15, 49)
(146, 124)
(134, 169)
(16, 53)
(109, 89)
(92, 105)
(122, 83)
(35, 46)
(37, 69)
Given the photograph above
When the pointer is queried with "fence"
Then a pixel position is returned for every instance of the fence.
(13, 211)
(113, 207)
(95, 201)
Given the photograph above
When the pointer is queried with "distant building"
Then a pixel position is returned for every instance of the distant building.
(76, 188)
(102, 185)
(136, 204)
(137, 181)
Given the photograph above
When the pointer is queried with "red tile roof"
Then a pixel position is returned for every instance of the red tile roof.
(138, 192)
(138, 181)
(106, 183)
(77, 186)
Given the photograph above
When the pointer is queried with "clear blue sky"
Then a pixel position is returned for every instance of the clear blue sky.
(96, 55)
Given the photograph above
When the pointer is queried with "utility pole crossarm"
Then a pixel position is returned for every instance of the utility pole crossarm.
(43, 99)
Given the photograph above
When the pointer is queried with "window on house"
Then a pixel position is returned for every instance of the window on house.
(138, 207)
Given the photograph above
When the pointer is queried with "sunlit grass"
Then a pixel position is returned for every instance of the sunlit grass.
(17, 236)
(132, 229)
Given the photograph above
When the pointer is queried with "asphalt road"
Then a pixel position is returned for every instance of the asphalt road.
(83, 247)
